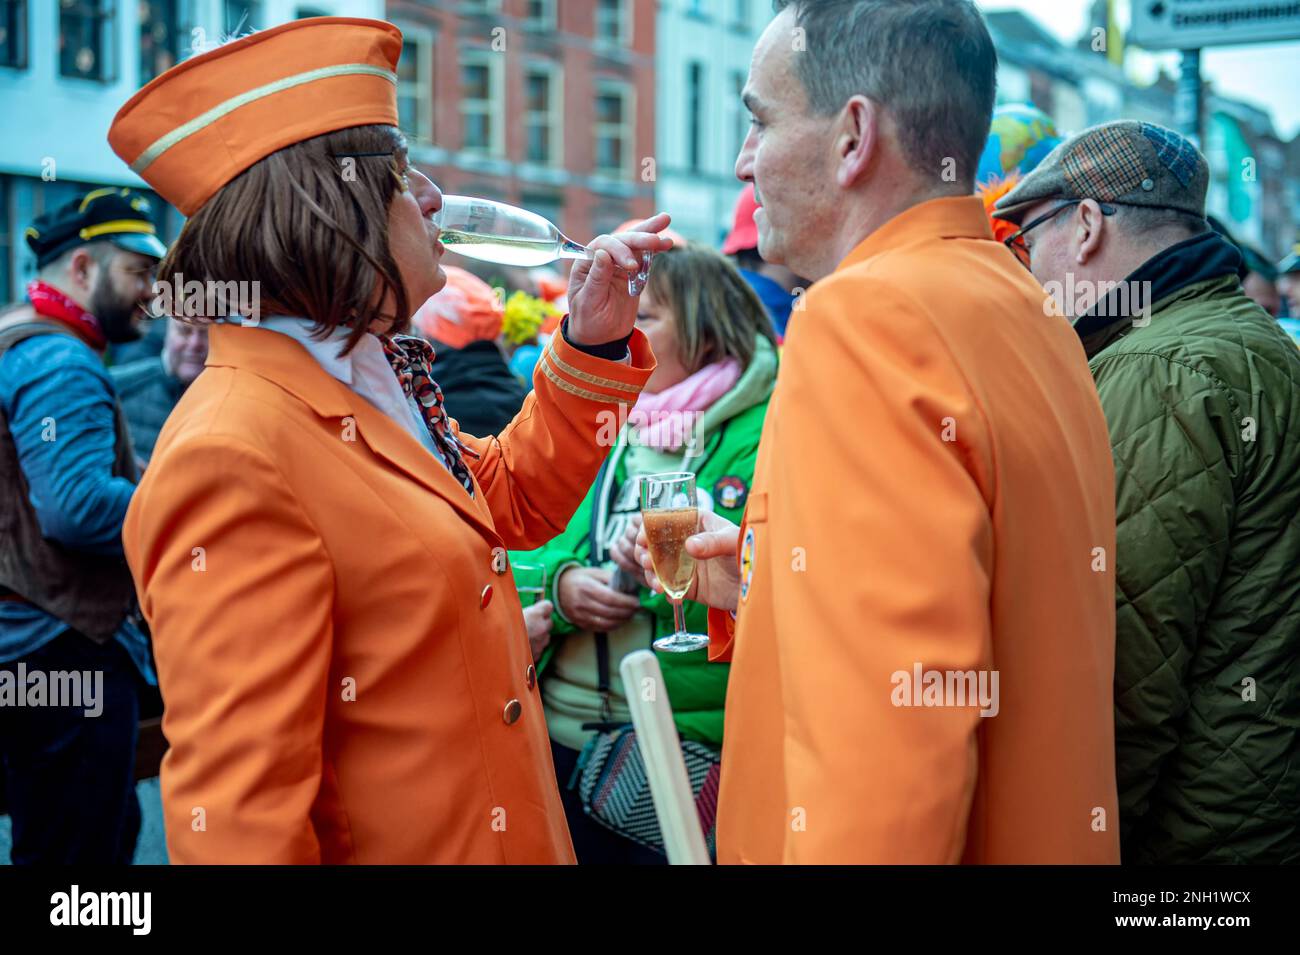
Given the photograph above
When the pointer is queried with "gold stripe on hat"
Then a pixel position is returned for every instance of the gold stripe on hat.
(118, 226)
(98, 194)
(185, 130)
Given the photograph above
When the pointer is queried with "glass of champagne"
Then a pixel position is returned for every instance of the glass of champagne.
(496, 232)
(670, 512)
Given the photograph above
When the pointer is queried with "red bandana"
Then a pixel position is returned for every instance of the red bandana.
(49, 302)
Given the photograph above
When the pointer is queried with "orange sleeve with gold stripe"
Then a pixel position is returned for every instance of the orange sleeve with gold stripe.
(537, 471)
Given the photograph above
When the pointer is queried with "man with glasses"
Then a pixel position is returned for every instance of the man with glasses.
(71, 650)
(1201, 390)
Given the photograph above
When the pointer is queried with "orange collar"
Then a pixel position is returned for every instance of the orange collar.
(956, 217)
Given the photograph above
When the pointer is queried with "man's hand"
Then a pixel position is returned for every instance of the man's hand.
(600, 310)
(537, 620)
(717, 575)
(587, 599)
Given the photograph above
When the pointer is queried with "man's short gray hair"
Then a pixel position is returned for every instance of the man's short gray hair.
(931, 63)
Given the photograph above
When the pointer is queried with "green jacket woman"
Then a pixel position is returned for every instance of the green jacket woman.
(703, 413)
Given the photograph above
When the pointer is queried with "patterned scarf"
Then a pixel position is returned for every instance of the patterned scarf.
(412, 361)
(49, 302)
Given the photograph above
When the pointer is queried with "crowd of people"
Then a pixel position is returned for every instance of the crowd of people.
(965, 399)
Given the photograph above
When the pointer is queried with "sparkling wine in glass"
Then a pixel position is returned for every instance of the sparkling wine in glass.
(496, 232)
(670, 512)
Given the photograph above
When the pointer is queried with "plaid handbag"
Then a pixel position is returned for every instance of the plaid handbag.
(615, 790)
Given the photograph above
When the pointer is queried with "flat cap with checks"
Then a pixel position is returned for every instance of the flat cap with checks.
(1128, 163)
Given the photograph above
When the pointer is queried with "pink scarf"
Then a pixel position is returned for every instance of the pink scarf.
(661, 418)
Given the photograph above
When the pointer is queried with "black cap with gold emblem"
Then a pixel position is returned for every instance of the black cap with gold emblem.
(114, 214)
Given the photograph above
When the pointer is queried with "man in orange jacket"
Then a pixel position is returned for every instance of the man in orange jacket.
(923, 635)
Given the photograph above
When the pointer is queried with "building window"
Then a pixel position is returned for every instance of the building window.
(86, 39)
(13, 34)
(306, 12)
(740, 14)
(612, 22)
(160, 37)
(740, 118)
(694, 114)
(241, 16)
(539, 13)
(480, 6)
(544, 112)
(482, 103)
(613, 128)
(415, 84)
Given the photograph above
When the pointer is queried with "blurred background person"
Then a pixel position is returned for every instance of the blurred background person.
(1260, 282)
(1201, 391)
(463, 323)
(702, 410)
(1288, 284)
(150, 387)
(774, 284)
(67, 474)
(1258, 275)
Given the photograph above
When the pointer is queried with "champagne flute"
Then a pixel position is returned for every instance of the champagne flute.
(495, 232)
(670, 511)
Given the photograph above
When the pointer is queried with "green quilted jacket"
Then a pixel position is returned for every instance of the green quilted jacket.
(1202, 397)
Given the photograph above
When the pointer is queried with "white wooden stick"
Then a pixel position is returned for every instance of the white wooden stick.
(656, 735)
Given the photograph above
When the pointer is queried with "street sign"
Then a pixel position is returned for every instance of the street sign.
(1192, 24)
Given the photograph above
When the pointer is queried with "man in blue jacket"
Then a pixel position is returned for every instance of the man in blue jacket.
(71, 650)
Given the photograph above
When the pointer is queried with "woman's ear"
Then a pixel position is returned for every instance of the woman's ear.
(856, 139)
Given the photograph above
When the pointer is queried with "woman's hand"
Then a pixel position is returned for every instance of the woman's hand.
(537, 620)
(717, 575)
(600, 310)
(587, 599)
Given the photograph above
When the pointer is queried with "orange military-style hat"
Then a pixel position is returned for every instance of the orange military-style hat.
(206, 120)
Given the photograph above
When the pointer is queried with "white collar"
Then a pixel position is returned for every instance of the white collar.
(366, 370)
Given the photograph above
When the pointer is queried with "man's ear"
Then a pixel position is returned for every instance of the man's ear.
(82, 268)
(1089, 225)
(857, 139)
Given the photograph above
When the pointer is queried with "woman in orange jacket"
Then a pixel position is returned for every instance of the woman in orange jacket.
(321, 553)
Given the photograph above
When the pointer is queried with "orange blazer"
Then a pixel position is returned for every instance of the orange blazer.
(934, 488)
(339, 640)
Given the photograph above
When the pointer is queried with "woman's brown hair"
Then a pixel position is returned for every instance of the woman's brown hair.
(718, 315)
(309, 223)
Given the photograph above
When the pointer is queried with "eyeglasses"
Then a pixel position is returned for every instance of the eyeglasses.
(1016, 242)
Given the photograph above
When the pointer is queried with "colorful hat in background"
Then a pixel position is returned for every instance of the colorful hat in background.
(1020, 137)
(203, 122)
(466, 310)
(744, 233)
